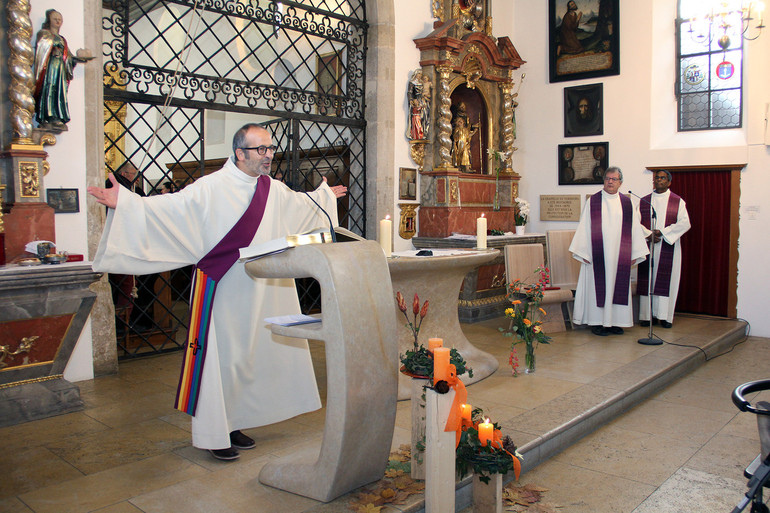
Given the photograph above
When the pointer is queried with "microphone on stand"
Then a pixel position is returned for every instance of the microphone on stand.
(650, 340)
(331, 226)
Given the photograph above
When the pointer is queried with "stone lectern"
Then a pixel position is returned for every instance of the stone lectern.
(359, 331)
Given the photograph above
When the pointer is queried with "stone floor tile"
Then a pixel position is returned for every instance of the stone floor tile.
(693, 491)
(27, 469)
(726, 456)
(51, 429)
(112, 486)
(580, 490)
(632, 455)
(13, 505)
(121, 507)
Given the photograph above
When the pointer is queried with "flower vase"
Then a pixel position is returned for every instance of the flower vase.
(520, 229)
(496, 204)
(529, 361)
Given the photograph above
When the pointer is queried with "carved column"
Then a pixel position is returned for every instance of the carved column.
(30, 218)
(20, 69)
(508, 134)
(444, 117)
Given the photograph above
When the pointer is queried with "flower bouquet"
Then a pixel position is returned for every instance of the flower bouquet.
(526, 319)
(522, 212)
(418, 361)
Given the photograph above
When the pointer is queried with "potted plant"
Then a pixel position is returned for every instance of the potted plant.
(522, 215)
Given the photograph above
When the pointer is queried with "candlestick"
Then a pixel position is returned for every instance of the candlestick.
(433, 343)
(486, 430)
(465, 412)
(481, 232)
(440, 364)
(386, 234)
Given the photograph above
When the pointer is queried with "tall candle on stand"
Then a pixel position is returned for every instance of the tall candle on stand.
(440, 364)
(433, 343)
(386, 232)
(481, 232)
(486, 433)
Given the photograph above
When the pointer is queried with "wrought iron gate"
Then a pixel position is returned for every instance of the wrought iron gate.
(176, 70)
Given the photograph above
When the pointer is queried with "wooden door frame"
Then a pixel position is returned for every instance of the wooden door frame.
(735, 197)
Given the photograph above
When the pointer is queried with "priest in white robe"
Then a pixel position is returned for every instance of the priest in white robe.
(609, 240)
(251, 377)
(671, 221)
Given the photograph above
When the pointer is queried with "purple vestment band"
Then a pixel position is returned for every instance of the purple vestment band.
(623, 273)
(666, 260)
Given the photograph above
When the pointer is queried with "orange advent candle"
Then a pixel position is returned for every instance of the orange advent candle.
(486, 433)
(440, 364)
(433, 343)
(465, 412)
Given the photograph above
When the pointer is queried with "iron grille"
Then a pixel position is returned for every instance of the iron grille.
(295, 66)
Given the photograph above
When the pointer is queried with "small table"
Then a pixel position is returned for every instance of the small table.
(438, 280)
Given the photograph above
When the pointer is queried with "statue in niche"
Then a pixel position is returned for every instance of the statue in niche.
(462, 133)
(53, 69)
(418, 95)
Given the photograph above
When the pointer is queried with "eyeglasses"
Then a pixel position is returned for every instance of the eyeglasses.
(611, 179)
(261, 150)
(663, 178)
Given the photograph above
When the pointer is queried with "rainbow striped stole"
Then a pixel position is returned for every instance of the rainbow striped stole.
(209, 270)
(201, 302)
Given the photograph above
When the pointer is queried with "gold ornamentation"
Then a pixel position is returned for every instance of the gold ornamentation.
(454, 193)
(33, 380)
(20, 69)
(407, 226)
(24, 347)
(474, 49)
(493, 300)
(472, 71)
(438, 9)
(417, 152)
(29, 180)
(2, 226)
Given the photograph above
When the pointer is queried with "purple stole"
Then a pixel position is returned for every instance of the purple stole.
(623, 274)
(666, 261)
(208, 271)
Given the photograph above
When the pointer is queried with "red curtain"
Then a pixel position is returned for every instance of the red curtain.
(706, 247)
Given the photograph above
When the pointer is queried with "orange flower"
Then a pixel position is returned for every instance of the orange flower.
(424, 310)
(517, 302)
(416, 305)
(527, 322)
(542, 311)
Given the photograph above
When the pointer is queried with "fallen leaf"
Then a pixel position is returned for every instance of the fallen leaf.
(369, 508)
(393, 472)
(402, 482)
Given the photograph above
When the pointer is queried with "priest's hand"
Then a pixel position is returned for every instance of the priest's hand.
(108, 197)
(338, 190)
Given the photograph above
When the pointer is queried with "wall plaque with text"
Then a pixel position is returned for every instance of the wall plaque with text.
(560, 207)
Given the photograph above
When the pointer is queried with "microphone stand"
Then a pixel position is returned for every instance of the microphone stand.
(650, 340)
(331, 225)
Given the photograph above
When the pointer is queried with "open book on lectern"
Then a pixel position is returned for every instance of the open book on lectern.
(317, 236)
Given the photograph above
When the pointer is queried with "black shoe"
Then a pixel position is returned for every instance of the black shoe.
(600, 331)
(644, 324)
(654, 321)
(665, 324)
(615, 330)
(228, 454)
(241, 441)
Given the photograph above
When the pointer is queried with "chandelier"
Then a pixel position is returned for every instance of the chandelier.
(721, 20)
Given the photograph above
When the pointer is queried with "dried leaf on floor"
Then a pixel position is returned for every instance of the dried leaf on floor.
(394, 472)
(368, 508)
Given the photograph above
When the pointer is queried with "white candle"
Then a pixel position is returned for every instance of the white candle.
(386, 233)
(481, 232)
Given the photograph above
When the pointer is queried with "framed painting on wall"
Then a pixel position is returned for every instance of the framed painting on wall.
(328, 81)
(584, 39)
(583, 164)
(407, 184)
(63, 201)
(583, 113)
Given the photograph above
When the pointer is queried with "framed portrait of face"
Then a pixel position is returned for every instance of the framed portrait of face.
(583, 110)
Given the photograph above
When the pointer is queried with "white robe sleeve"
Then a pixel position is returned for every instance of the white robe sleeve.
(673, 232)
(580, 247)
